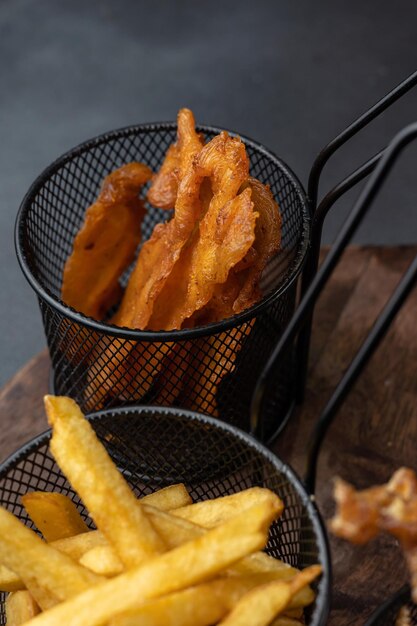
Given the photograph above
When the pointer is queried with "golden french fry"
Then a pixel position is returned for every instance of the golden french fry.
(169, 498)
(210, 513)
(187, 565)
(48, 574)
(54, 514)
(98, 482)
(102, 560)
(261, 605)
(9, 581)
(176, 531)
(202, 605)
(20, 608)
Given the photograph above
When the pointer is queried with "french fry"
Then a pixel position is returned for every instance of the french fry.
(102, 560)
(202, 605)
(48, 574)
(210, 513)
(9, 581)
(20, 608)
(187, 565)
(176, 531)
(169, 498)
(261, 605)
(74, 547)
(95, 478)
(54, 514)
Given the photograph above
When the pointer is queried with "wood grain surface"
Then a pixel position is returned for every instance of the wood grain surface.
(373, 434)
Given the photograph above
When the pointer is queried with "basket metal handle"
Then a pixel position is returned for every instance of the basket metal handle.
(321, 210)
(361, 206)
(401, 597)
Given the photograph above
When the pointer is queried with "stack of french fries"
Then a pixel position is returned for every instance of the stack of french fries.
(158, 561)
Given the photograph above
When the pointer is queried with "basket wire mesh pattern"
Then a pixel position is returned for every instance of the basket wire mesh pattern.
(155, 447)
(211, 369)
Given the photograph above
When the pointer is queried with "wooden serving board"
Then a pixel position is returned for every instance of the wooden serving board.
(374, 433)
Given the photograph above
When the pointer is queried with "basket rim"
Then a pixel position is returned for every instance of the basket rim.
(324, 586)
(152, 335)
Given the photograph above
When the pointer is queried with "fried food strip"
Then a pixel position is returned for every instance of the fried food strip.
(125, 370)
(20, 608)
(169, 498)
(261, 605)
(48, 574)
(54, 514)
(106, 243)
(166, 499)
(203, 605)
(163, 191)
(224, 236)
(225, 162)
(403, 617)
(164, 188)
(266, 245)
(241, 289)
(390, 508)
(93, 475)
(211, 364)
(176, 531)
(211, 513)
(187, 565)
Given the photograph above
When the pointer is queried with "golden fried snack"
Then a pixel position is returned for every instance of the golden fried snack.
(20, 608)
(124, 370)
(222, 240)
(48, 574)
(392, 508)
(225, 162)
(211, 364)
(190, 564)
(164, 187)
(106, 244)
(73, 445)
(266, 245)
(54, 514)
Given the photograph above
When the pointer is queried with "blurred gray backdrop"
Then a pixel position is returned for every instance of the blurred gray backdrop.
(290, 74)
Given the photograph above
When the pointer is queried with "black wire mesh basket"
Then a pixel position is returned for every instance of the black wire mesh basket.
(156, 447)
(211, 369)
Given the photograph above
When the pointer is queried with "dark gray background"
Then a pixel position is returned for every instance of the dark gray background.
(289, 73)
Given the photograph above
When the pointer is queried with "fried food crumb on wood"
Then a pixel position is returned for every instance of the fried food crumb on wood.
(389, 508)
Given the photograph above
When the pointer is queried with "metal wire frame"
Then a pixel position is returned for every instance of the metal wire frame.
(155, 447)
(320, 210)
(368, 195)
(387, 613)
(51, 213)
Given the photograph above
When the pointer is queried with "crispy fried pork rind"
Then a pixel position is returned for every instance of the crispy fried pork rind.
(223, 238)
(391, 507)
(164, 188)
(225, 163)
(106, 244)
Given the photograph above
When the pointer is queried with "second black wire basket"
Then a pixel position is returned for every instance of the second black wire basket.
(211, 369)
